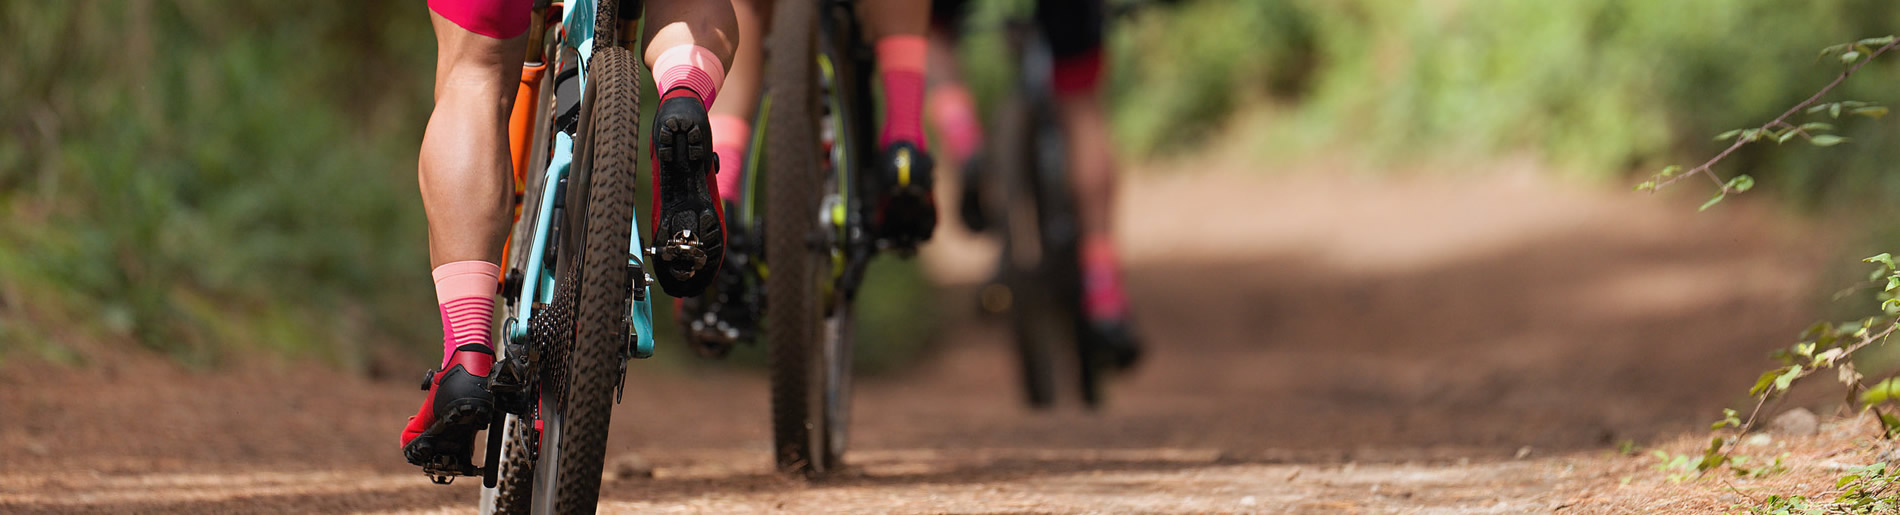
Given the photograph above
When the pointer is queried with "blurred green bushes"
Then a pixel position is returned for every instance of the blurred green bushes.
(196, 174)
(1597, 87)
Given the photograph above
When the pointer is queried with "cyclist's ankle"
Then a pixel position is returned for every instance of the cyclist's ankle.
(691, 68)
(465, 296)
(902, 60)
(731, 135)
(953, 112)
(1102, 295)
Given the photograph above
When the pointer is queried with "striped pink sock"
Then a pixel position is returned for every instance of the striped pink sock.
(731, 135)
(953, 112)
(902, 59)
(465, 293)
(692, 67)
(1102, 295)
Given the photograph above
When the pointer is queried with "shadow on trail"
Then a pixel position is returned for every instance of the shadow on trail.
(1569, 340)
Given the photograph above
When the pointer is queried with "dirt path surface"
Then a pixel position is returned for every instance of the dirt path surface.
(1320, 344)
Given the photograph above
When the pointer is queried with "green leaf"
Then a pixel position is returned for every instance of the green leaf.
(1871, 111)
(1740, 183)
(1713, 457)
(1827, 140)
(1831, 49)
(1725, 135)
(1818, 108)
(1880, 392)
(1876, 42)
(1766, 380)
(1712, 202)
(1885, 259)
(1851, 57)
(1816, 126)
(1785, 136)
(1670, 171)
(1646, 186)
(1806, 350)
(1834, 110)
(1892, 283)
(1782, 383)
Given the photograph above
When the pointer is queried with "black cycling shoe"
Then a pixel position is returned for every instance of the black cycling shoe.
(906, 210)
(689, 224)
(441, 437)
(723, 316)
(1115, 343)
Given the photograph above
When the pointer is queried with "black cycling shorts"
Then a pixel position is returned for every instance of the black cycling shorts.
(1073, 27)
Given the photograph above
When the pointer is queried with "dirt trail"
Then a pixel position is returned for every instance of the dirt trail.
(1321, 344)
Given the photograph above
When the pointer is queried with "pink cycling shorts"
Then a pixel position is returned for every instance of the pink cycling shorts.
(499, 19)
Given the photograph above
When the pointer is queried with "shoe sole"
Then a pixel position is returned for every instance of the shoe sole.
(448, 446)
(689, 235)
(913, 204)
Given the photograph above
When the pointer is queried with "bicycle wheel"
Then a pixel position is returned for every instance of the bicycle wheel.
(1021, 288)
(515, 487)
(838, 337)
(574, 436)
(793, 308)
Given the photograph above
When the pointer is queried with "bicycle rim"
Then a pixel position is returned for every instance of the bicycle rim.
(839, 335)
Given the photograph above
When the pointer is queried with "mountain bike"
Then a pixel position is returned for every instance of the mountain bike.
(577, 305)
(1023, 187)
(816, 140)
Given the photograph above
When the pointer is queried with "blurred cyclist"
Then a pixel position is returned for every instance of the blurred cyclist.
(906, 212)
(464, 170)
(1074, 30)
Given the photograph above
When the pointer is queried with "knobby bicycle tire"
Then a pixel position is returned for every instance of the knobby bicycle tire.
(600, 331)
(1019, 215)
(792, 308)
(515, 489)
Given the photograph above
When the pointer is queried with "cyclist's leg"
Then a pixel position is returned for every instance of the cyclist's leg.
(907, 212)
(714, 321)
(1074, 29)
(464, 173)
(732, 119)
(689, 42)
(951, 108)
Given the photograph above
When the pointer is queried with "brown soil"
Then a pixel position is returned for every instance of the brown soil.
(1320, 344)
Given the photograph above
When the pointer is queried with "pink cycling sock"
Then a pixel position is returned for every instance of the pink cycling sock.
(465, 293)
(953, 112)
(692, 67)
(1102, 295)
(902, 59)
(731, 135)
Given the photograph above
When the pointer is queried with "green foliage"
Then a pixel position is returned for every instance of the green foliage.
(194, 174)
(1868, 489)
(1683, 467)
(1596, 86)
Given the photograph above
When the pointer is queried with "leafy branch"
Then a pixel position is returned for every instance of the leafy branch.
(1780, 130)
(1824, 346)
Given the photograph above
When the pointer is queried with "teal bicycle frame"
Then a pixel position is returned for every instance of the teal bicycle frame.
(537, 285)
